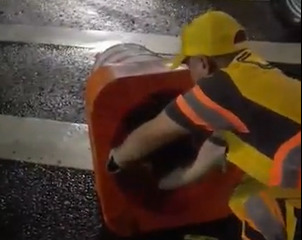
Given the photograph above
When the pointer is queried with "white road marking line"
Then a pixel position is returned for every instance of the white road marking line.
(100, 40)
(45, 142)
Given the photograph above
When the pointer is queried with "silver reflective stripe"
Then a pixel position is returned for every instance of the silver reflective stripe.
(208, 115)
(270, 227)
(291, 167)
(295, 7)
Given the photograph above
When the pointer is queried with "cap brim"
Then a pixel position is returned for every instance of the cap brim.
(177, 61)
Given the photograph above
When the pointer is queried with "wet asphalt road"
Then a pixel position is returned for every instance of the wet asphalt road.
(43, 81)
(147, 16)
(48, 81)
(49, 203)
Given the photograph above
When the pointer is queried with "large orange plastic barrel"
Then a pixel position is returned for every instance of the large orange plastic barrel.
(117, 93)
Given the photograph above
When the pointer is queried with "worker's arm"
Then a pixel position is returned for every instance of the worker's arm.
(147, 138)
(211, 153)
(209, 105)
(214, 104)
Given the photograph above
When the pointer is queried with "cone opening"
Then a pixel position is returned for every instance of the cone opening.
(176, 154)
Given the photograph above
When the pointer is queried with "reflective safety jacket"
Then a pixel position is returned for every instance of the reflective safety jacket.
(258, 111)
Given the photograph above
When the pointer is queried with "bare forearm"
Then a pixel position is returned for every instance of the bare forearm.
(140, 142)
(148, 137)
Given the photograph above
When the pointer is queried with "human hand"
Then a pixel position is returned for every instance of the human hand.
(144, 140)
(210, 154)
(112, 165)
(133, 178)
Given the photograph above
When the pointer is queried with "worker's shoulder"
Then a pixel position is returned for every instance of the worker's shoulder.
(219, 77)
(218, 84)
(248, 63)
(249, 69)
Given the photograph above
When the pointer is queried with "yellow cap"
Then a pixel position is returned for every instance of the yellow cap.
(210, 34)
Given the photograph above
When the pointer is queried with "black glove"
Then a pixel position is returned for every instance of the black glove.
(112, 166)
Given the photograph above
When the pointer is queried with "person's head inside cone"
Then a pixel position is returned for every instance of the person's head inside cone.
(214, 39)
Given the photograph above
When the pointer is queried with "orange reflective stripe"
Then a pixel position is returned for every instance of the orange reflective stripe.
(189, 113)
(279, 158)
(232, 118)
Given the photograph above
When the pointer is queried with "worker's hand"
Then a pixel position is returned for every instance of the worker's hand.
(113, 166)
(144, 140)
(133, 178)
(211, 153)
(122, 158)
